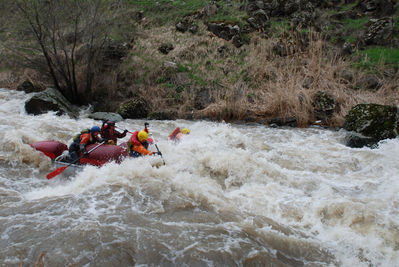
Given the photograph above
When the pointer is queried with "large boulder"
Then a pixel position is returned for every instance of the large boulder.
(106, 116)
(259, 20)
(380, 31)
(50, 100)
(374, 121)
(135, 108)
(224, 30)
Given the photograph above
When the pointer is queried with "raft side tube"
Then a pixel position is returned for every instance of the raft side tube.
(51, 149)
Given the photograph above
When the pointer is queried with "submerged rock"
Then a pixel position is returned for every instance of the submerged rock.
(356, 140)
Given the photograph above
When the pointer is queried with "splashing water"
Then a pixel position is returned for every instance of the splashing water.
(229, 195)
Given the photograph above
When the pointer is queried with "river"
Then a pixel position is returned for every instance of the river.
(228, 195)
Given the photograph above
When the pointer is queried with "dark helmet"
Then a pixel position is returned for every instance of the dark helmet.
(95, 129)
(110, 123)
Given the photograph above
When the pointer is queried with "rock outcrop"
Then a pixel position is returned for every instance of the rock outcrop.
(373, 121)
(50, 100)
(135, 108)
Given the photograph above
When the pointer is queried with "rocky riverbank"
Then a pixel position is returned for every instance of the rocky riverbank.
(279, 63)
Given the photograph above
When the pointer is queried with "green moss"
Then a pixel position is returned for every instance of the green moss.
(134, 108)
(373, 120)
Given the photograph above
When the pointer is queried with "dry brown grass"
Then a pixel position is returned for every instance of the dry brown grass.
(271, 86)
(280, 81)
(278, 84)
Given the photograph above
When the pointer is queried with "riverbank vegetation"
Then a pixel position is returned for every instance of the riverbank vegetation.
(221, 60)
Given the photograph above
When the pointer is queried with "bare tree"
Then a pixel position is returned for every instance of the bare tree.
(70, 35)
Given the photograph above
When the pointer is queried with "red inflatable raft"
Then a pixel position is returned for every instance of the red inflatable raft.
(100, 156)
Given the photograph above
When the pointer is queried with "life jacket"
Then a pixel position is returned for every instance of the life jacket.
(87, 139)
(173, 134)
(135, 145)
(78, 136)
(108, 134)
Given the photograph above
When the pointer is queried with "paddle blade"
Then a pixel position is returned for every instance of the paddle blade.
(56, 172)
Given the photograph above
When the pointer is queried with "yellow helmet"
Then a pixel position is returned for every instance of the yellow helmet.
(142, 136)
(185, 131)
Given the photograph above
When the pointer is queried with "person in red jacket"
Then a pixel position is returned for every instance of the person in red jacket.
(109, 134)
(177, 134)
(86, 137)
(138, 144)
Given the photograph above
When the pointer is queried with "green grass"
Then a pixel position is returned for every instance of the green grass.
(374, 56)
(163, 11)
(354, 24)
(166, 11)
(348, 7)
(229, 12)
(198, 80)
(181, 68)
(279, 25)
(350, 39)
(162, 79)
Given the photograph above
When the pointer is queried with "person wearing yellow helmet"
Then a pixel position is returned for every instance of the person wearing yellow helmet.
(177, 134)
(138, 144)
(185, 131)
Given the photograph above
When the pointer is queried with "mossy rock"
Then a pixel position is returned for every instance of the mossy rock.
(136, 108)
(324, 105)
(162, 115)
(28, 87)
(373, 120)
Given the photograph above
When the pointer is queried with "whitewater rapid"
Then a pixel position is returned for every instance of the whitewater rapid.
(228, 195)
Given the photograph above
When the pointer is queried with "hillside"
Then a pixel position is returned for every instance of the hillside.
(265, 61)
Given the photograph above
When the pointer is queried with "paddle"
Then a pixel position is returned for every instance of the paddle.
(119, 128)
(146, 124)
(61, 169)
(159, 152)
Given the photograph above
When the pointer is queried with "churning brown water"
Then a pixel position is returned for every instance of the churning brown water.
(229, 195)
